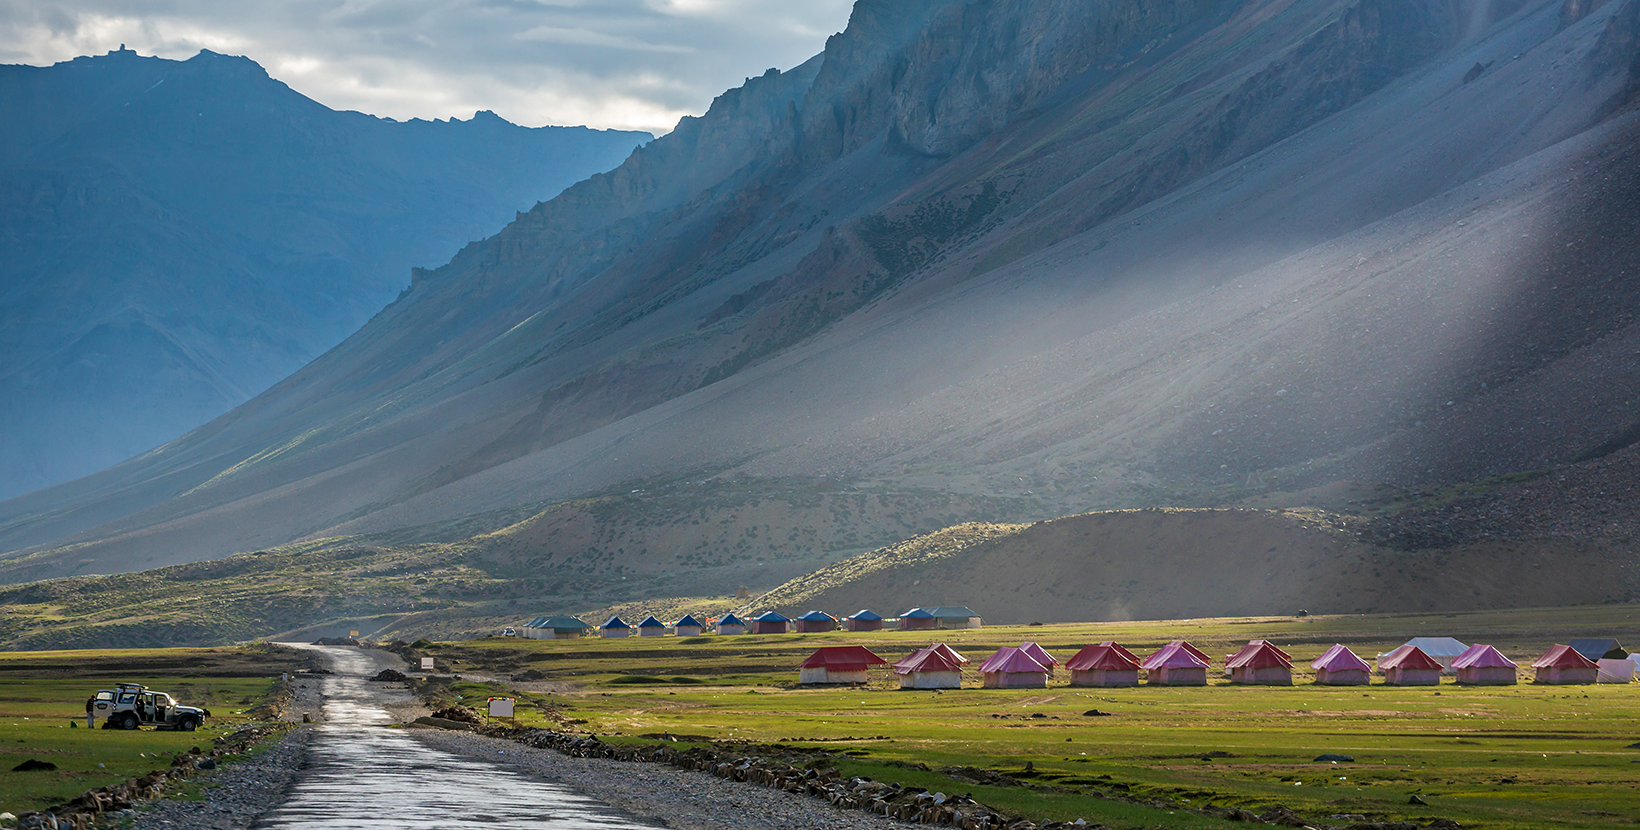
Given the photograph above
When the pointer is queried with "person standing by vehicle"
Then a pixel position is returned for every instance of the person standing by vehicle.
(90, 704)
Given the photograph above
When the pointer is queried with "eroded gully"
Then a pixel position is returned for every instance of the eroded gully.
(360, 773)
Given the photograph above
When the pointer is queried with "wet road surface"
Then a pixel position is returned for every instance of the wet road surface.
(361, 774)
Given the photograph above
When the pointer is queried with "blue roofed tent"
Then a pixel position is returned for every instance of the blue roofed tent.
(771, 623)
(615, 627)
(864, 620)
(651, 627)
(917, 619)
(731, 624)
(688, 626)
(816, 621)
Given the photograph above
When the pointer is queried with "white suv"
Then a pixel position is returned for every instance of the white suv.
(129, 705)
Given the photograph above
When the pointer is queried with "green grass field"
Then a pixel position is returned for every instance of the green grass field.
(1521, 756)
(42, 693)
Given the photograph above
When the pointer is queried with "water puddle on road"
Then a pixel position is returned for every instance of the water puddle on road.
(364, 775)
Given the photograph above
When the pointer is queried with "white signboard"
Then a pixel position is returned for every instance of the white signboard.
(501, 707)
(426, 664)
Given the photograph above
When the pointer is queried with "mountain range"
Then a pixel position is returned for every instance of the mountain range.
(180, 235)
(1021, 258)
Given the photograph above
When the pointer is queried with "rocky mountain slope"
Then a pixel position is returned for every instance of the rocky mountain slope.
(1168, 564)
(179, 235)
(1168, 252)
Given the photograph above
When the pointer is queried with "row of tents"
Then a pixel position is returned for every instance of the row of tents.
(1260, 662)
(929, 618)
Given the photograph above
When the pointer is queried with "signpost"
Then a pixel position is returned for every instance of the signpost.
(427, 664)
(502, 707)
(354, 634)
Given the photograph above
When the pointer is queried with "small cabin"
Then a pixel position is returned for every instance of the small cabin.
(1260, 663)
(615, 627)
(954, 616)
(1011, 668)
(1176, 664)
(838, 664)
(1483, 665)
(771, 623)
(1106, 665)
(864, 620)
(688, 626)
(815, 622)
(931, 667)
(1338, 666)
(731, 624)
(562, 628)
(1408, 665)
(651, 627)
(1562, 665)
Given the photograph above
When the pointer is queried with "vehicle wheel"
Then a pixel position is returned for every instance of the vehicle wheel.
(128, 721)
(188, 724)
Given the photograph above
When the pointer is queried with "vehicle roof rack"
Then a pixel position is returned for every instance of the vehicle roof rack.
(130, 686)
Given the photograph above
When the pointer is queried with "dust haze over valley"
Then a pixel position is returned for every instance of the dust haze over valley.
(1354, 281)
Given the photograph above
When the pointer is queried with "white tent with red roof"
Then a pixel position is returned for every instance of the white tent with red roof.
(1408, 665)
(1260, 663)
(931, 667)
(1562, 665)
(838, 664)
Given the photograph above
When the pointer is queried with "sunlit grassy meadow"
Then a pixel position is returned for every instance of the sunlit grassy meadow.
(42, 693)
(1521, 756)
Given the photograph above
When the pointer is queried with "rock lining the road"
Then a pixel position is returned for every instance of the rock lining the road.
(238, 794)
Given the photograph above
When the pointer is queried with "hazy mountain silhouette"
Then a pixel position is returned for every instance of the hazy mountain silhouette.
(180, 235)
(1134, 253)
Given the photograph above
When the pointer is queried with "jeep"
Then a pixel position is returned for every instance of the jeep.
(130, 705)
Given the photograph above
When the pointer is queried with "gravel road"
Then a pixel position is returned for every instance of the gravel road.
(242, 791)
(285, 786)
(675, 798)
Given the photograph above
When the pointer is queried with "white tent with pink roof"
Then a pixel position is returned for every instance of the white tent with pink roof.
(1040, 655)
(1011, 668)
(1175, 664)
(1338, 666)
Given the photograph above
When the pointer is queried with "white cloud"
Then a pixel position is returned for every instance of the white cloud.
(585, 37)
(633, 64)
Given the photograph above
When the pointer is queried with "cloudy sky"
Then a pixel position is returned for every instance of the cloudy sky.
(636, 64)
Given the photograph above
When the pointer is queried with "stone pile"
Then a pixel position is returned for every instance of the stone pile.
(81, 812)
